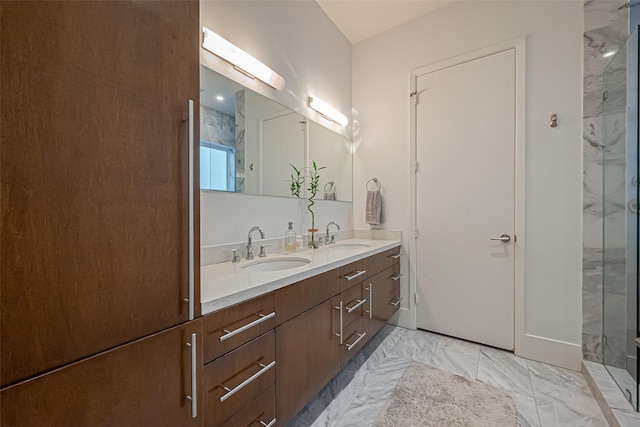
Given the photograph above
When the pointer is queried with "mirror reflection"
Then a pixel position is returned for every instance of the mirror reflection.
(247, 143)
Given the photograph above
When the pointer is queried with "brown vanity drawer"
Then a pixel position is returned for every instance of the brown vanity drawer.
(260, 410)
(253, 365)
(376, 263)
(354, 337)
(351, 274)
(306, 294)
(351, 298)
(251, 318)
(394, 255)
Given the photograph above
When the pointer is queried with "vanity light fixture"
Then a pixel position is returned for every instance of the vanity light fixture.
(327, 111)
(241, 60)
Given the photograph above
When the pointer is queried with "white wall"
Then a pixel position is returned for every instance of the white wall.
(553, 30)
(230, 216)
(298, 41)
(294, 38)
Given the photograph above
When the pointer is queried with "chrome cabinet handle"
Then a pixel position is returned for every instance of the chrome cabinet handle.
(360, 336)
(193, 398)
(396, 277)
(354, 275)
(263, 317)
(370, 289)
(273, 421)
(395, 304)
(396, 256)
(246, 382)
(191, 299)
(502, 238)
(339, 308)
(360, 302)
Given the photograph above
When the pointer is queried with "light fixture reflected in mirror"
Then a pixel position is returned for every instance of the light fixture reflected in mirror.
(327, 111)
(241, 60)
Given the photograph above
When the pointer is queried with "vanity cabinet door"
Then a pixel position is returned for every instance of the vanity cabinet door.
(383, 298)
(94, 177)
(307, 352)
(144, 383)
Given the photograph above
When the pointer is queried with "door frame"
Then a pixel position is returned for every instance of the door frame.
(519, 45)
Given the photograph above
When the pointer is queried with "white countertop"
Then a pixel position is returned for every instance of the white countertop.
(226, 284)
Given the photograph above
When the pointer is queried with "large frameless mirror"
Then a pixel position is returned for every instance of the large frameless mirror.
(248, 142)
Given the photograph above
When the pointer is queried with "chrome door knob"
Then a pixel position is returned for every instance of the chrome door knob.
(502, 238)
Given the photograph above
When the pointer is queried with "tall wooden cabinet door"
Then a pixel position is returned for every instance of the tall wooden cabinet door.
(144, 383)
(307, 356)
(94, 176)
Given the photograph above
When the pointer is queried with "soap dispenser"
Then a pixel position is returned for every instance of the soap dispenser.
(290, 239)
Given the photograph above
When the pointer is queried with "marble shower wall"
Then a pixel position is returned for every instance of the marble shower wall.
(240, 141)
(606, 28)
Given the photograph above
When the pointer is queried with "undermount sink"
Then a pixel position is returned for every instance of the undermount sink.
(276, 264)
(348, 245)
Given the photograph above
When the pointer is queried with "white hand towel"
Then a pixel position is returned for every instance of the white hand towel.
(330, 195)
(373, 207)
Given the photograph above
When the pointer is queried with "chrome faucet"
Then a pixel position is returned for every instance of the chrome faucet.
(249, 248)
(333, 238)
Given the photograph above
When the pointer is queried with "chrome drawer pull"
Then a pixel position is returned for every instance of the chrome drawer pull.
(396, 277)
(357, 273)
(370, 289)
(262, 318)
(246, 382)
(273, 421)
(191, 216)
(396, 256)
(193, 398)
(360, 302)
(360, 336)
(395, 304)
(339, 308)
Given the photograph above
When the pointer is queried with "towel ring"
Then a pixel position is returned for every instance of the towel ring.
(376, 181)
(330, 183)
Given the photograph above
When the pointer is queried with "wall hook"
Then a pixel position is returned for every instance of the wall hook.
(553, 121)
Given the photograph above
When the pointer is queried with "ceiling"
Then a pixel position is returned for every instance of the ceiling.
(361, 19)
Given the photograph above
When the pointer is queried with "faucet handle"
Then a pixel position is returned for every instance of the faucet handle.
(333, 238)
(236, 254)
(262, 251)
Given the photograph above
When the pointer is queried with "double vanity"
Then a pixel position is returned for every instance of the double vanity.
(277, 329)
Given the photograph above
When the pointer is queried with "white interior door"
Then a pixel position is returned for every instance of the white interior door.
(281, 145)
(465, 194)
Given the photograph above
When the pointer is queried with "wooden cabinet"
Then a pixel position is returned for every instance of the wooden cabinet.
(143, 383)
(240, 370)
(258, 413)
(383, 294)
(316, 336)
(227, 329)
(307, 353)
(94, 182)
(235, 379)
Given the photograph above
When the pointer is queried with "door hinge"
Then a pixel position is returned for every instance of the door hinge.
(604, 95)
(304, 125)
(415, 298)
(415, 233)
(414, 97)
(417, 167)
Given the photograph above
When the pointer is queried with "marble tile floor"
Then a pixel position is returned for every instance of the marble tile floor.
(544, 395)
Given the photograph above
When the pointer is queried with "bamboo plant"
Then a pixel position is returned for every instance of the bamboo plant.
(311, 176)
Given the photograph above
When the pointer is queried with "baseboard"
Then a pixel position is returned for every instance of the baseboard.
(547, 350)
(404, 318)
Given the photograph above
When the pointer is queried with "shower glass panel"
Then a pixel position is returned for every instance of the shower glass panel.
(620, 219)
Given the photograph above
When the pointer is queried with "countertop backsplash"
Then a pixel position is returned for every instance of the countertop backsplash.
(216, 254)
